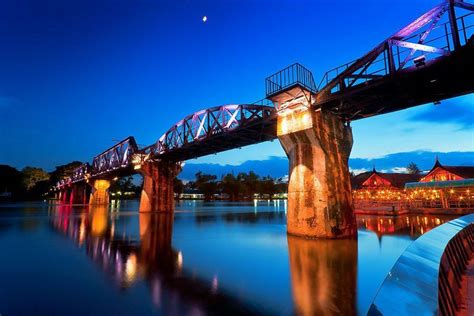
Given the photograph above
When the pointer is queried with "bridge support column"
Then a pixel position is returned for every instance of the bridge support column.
(318, 145)
(99, 194)
(79, 194)
(65, 196)
(72, 195)
(157, 193)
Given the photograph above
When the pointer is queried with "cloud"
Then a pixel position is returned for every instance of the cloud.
(358, 171)
(424, 160)
(399, 170)
(278, 166)
(459, 111)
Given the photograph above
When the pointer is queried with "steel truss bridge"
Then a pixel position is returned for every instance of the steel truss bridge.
(429, 60)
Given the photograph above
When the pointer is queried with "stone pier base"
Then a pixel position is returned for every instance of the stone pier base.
(157, 193)
(99, 194)
(61, 196)
(319, 189)
(65, 196)
(78, 194)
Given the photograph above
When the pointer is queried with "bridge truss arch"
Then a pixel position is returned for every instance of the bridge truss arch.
(213, 130)
(118, 157)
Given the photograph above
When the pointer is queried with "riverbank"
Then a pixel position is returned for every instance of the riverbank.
(388, 211)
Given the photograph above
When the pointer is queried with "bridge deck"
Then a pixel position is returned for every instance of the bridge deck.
(264, 130)
(446, 77)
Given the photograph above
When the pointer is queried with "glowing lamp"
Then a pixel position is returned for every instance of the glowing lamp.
(294, 121)
(419, 61)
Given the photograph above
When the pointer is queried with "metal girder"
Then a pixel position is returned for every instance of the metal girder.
(423, 36)
(116, 157)
(423, 48)
(358, 76)
(79, 174)
(202, 126)
(464, 5)
(389, 62)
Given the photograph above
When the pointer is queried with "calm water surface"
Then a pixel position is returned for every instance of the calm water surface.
(210, 258)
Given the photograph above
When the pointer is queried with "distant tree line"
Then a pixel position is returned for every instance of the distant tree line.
(125, 188)
(31, 183)
(236, 187)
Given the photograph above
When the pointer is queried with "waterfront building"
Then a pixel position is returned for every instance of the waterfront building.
(443, 187)
(380, 189)
(440, 172)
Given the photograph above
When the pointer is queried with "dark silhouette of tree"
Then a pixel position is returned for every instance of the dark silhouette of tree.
(178, 186)
(31, 176)
(266, 186)
(231, 186)
(245, 186)
(412, 168)
(281, 188)
(11, 181)
(207, 184)
(125, 184)
(30, 183)
(249, 183)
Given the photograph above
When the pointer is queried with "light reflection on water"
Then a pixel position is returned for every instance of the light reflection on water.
(220, 257)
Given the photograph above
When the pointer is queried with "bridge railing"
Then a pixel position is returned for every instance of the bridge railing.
(78, 174)
(263, 102)
(399, 52)
(288, 77)
(377, 69)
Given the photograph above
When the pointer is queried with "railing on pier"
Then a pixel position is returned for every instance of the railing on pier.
(289, 77)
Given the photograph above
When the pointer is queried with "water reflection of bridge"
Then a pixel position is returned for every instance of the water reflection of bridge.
(152, 258)
(127, 260)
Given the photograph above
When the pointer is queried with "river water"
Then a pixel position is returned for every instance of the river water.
(209, 258)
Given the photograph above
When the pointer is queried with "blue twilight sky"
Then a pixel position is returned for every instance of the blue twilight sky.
(77, 75)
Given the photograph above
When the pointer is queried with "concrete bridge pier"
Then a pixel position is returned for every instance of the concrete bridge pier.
(318, 145)
(64, 196)
(99, 193)
(78, 194)
(157, 193)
